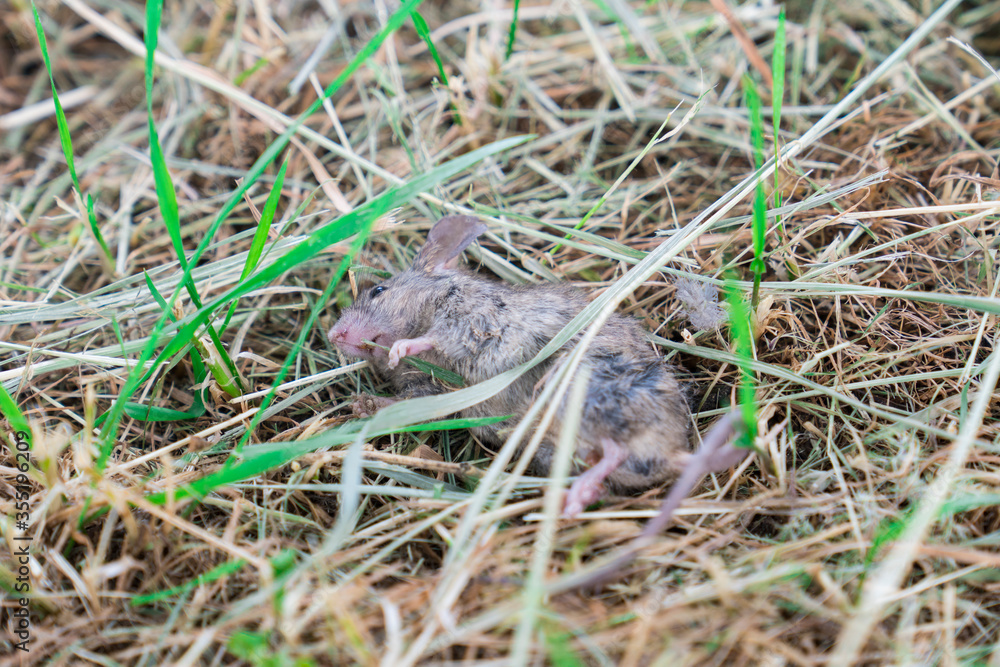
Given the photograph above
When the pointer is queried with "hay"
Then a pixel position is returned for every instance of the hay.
(873, 541)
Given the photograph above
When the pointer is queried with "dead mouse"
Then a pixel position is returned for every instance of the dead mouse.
(634, 434)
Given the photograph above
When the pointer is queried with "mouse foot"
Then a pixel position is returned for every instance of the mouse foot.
(365, 405)
(589, 486)
(407, 347)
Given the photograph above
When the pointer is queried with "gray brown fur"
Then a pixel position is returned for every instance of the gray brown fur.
(482, 327)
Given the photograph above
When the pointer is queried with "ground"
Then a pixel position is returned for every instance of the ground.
(177, 516)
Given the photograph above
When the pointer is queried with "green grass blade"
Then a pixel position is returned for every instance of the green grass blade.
(165, 193)
(777, 97)
(264, 227)
(260, 459)
(8, 406)
(561, 651)
(67, 141)
(425, 34)
(442, 374)
(64, 138)
(157, 297)
(260, 235)
(218, 572)
(759, 224)
(742, 341)
(512, 33)
(250, 71)
(95, 230)
(155, 413)
(778, 73)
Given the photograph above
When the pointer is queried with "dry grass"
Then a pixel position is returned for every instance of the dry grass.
(875, 541)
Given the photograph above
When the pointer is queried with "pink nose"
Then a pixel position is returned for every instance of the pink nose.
(337, 335)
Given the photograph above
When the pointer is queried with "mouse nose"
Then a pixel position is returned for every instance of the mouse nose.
(337, 334)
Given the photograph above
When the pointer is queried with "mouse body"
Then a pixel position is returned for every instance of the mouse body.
(634, 433)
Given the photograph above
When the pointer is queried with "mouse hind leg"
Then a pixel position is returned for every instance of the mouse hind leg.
(589, 486)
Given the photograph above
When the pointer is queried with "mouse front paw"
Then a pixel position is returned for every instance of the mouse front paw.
(407, 347)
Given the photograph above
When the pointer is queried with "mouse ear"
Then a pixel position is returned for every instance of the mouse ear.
(447, 239)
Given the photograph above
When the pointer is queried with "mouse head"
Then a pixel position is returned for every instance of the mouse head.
(403, 306)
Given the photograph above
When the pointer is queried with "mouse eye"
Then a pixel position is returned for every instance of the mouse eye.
(378, 289)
